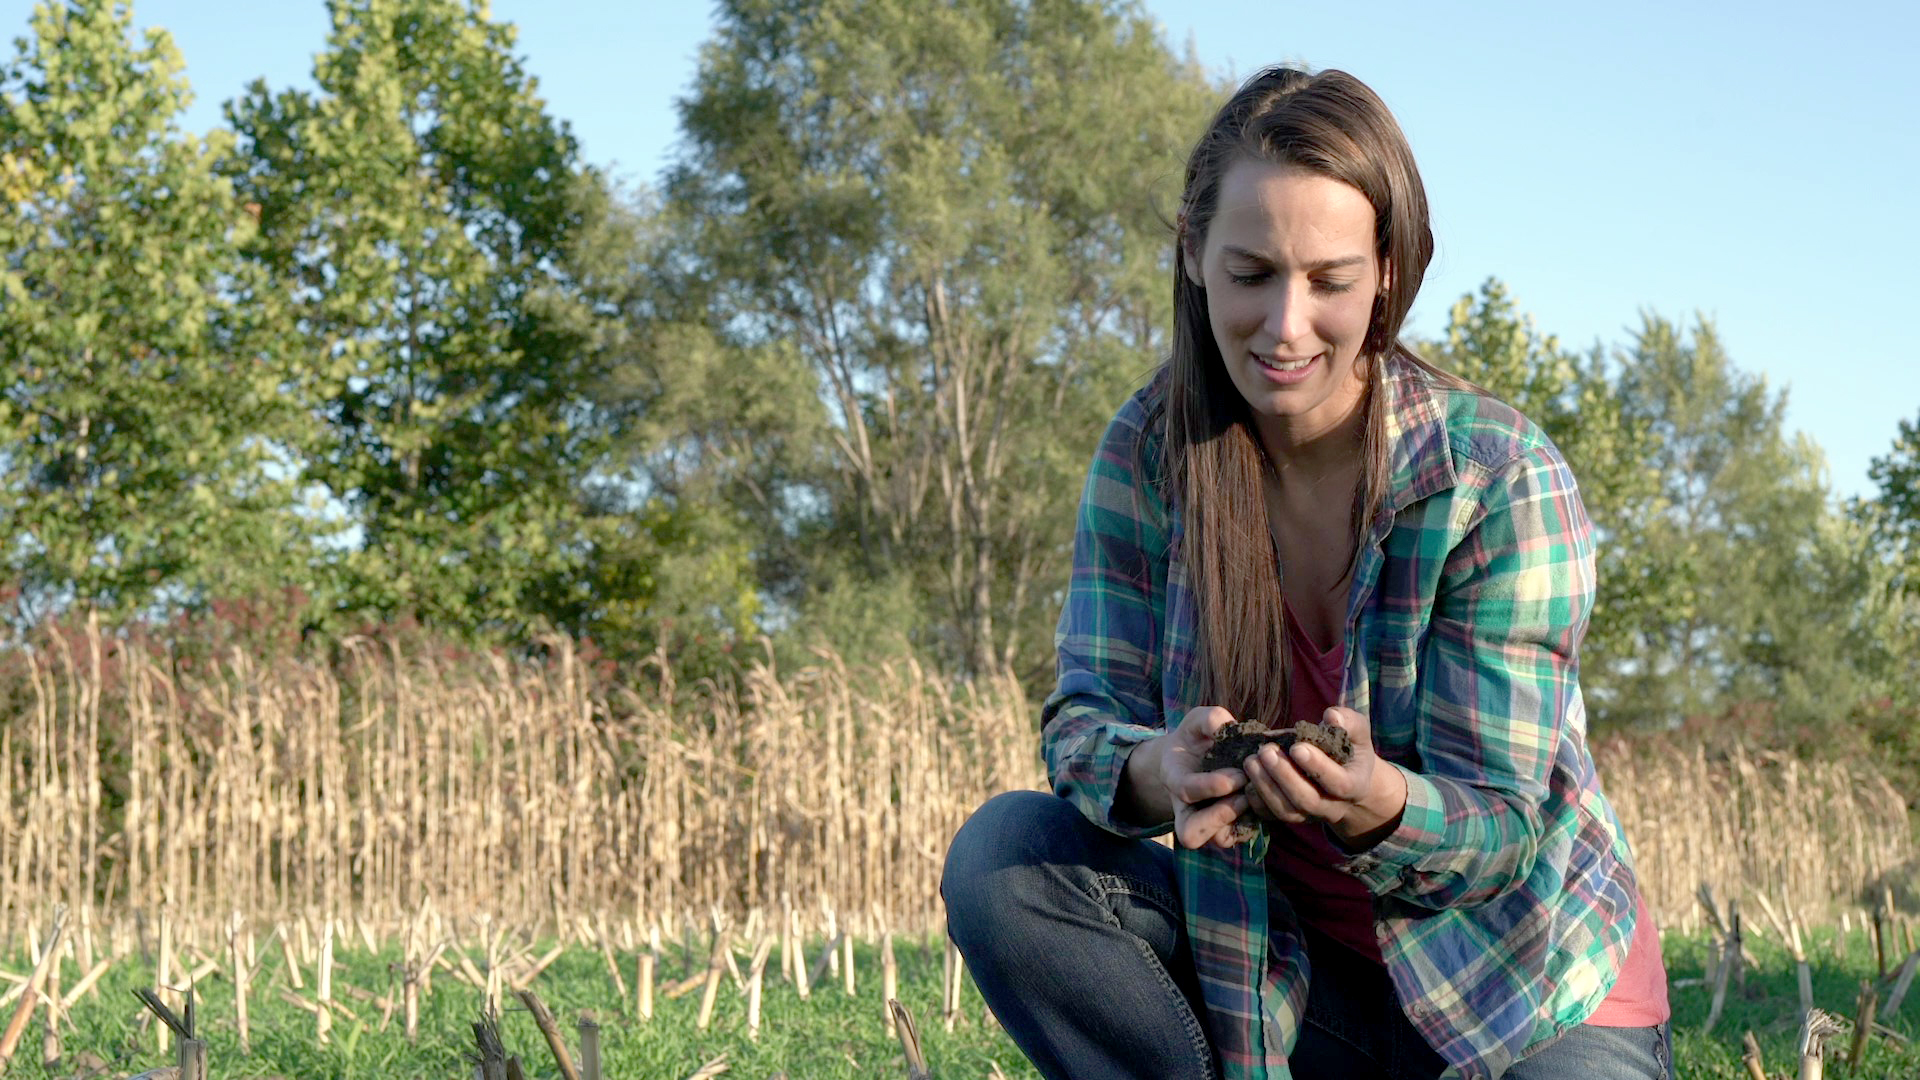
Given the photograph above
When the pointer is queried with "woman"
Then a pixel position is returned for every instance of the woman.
(1300, 520)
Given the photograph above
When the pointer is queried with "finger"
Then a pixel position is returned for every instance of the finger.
(1183, 834)
(1256, 797)
(1206, 720)
(1216, 719)
(1354, 723)
(1201, 786)
(1224, 838)
(1256, 802)
(1266, 795)
(1203, 825)
(1195, 826)
(1202, 832)
(1328, 776)
(1296, 789)
(1187, 830)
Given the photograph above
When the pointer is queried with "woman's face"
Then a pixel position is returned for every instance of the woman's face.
(1290, 274)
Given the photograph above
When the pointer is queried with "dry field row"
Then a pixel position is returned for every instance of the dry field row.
(548, 794)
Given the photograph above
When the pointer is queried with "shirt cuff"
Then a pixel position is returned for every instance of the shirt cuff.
(1093, 784)
(1382, 867)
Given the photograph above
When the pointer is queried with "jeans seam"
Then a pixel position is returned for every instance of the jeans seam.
(1108, 884)
(1111, 883)
(1196, 1035)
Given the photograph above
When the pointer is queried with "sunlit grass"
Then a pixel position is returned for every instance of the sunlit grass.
(829, 1036)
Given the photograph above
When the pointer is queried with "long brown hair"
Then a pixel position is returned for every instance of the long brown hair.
(1328, 123)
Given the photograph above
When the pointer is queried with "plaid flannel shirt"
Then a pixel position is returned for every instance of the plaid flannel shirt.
(1504, 899)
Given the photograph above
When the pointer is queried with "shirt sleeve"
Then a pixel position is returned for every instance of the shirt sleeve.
(1107, 700)
(1499, 685)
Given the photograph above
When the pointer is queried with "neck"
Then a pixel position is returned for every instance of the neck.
(1306, 456)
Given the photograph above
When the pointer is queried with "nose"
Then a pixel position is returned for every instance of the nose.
(1287, 315)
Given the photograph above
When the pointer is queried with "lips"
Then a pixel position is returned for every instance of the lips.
(1285, 371)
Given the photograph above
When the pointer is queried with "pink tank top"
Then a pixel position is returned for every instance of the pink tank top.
(1639, 995)
(1300, 858)
(1301, 861)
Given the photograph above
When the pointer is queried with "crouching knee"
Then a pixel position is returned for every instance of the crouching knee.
(1002, 852)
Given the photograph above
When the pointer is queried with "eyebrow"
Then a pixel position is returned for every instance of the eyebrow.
(1323, 264)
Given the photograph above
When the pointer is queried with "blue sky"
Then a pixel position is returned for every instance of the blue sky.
(1756, 162)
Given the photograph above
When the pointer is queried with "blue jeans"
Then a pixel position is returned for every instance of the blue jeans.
(1075, 938)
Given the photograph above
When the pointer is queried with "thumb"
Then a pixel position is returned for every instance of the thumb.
(1354, 723)
(1205, 721)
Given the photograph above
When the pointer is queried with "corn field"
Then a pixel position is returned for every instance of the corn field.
(1827, 837)
(533, 792)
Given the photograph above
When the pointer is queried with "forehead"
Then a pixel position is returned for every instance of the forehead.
(1290, 214)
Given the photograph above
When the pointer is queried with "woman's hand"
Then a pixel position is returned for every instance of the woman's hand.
(1360, 801)
(1166, 781)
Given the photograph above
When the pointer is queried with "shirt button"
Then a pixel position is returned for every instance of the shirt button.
(1418, 1010)
(1380, 934)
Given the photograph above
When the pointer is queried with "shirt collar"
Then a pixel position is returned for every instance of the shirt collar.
(1419, 455)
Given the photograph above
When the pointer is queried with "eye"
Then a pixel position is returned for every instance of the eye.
(1254, 278)
(1333, 286)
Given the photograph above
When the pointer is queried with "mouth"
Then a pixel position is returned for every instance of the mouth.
(1284, 370)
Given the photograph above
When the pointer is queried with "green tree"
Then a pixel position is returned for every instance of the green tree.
(1837, 631)
(1575, 400)
(1886, 635)
(1896, 512)
(1726, 577)
(1746, 521)
(423, 210)
(697, 440)
(945, 216)
(1837, 652)
(145, 461)
(1891, 563)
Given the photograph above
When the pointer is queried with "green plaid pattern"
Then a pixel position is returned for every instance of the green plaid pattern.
(1504, 900)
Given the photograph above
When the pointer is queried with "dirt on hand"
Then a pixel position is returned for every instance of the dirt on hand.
(1240, 740)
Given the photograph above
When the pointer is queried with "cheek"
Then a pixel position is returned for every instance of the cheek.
(1236, 314)
(1347, 322)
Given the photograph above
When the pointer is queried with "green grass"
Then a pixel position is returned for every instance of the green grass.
(828, 1037)
(1771, 1005)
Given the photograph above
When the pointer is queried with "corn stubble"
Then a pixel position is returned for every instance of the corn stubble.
(553, 795)
(537, 794)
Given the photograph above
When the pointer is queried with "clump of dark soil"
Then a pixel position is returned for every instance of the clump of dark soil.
(1240, 740)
